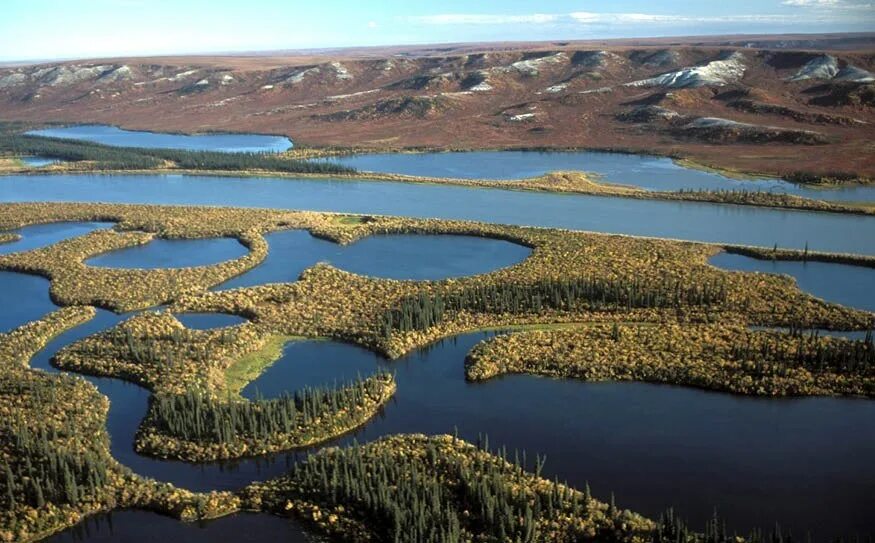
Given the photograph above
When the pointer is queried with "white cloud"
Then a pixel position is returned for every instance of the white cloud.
(810, 3)
(589, 18)
(830, 4)
(483, 19)
(818, 11)
(372, 24)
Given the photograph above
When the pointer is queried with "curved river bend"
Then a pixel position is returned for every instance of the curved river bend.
(756, 460)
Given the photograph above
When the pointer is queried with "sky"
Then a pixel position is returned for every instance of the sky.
(62, 29)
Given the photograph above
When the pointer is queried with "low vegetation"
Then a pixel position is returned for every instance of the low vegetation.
(196, 426)
(714, 357)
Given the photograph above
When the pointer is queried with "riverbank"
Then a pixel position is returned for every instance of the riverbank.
(553, 182)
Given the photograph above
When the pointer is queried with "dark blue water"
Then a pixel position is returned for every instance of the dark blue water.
(417, 257)
(756, 460)
(172, 253)
(681, 220)
(647, 172)
(111, 135)
(132, 526)
(207, 321)
(654, 446)
(23, 298)
(852, 286)
(42, 235)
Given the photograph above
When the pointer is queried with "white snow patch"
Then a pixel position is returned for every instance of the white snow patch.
(297, 77)
(202, 83)
(531, 67)
(182, 75)
(857, 75)
(266, 87)
(483, 86)
(351, 95)
(594, 59)
(121, 73)
(820, 67)
(12, 79)
(600, 90)
(521, 117)
(340, 71)
(715, 73)
(713, 122)
(226, 79)
(69, 74)
(556, 88)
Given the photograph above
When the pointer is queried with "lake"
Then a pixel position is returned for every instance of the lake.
(117, 137)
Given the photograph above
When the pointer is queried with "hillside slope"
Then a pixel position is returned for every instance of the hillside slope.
(732, 105)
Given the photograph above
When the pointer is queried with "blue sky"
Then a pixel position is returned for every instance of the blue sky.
(47, 29)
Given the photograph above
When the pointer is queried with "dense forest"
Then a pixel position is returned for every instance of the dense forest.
(42, 465)
(423, 311)
(105, 157)
(444, 490)
(196, 416)
(807, 351)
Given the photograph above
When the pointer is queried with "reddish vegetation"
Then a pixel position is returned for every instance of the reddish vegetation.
(495, 95)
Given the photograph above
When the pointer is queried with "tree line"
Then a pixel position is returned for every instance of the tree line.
(198, 416)
(451, 497)
(425, 310)
(107, 157)
(41, 471)
(809, 352)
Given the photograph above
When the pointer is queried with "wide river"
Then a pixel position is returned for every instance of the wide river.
(683, 220)
(803, 462)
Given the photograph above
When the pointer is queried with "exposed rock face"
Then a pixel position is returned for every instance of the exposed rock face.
(340, 71)
(648, 114)
(409, 106)
(715, 73)
(477, 81)
(531, 67)
(820, 67)
(752, 106)
(122, 73)
(594, 59)
(845, 93)
(661, 58)
(718, 130)
(854, 74)
(12, 79)
(556, 88)
(826, 67)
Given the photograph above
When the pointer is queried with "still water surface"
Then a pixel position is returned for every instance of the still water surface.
(756, 460)
(680, 220)
(117, 137)
(647, 172)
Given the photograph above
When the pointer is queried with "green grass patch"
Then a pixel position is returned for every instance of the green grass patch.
(249, 367)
